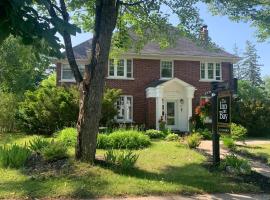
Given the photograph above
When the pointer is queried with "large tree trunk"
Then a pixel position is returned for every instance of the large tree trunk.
(92, 86)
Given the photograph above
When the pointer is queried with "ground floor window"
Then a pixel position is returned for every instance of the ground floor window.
(125, 109)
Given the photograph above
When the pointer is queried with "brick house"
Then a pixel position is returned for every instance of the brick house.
(159, 83)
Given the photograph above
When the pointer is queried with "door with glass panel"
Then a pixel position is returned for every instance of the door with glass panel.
(171, 114)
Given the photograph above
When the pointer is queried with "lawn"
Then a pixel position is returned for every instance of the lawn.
(163, 168)
(259, 151)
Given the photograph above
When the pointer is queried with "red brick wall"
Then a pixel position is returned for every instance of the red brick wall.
(145, 71)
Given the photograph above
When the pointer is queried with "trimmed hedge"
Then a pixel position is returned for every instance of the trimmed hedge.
(123, 139)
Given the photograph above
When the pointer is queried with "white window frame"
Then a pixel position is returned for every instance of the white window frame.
(115, 76)
(81, 66)
(206, 71)
(166, 78)
(125, 120)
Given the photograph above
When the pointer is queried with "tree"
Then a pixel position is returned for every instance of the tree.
(21, 68)
(251, 68)
(237, 68)
(144, 17)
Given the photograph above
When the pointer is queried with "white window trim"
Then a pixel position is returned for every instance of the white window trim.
(125, 120)
(206, 79)
(68, 80)
(125, 70)
(160, 70)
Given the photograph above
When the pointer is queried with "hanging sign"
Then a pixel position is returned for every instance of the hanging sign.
(224, 112)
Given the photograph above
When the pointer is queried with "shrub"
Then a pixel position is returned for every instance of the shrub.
(49, 108)
(125, 159)
(152, 133)
(194, 140)
(67, 136)
(38, 143)
(228, 142)
(8, 109)
(109, 110)
(238, 132)
(205, 133)
(129, 139)
(235, 165)
(172, 137)
(14, 156)
(54, 151)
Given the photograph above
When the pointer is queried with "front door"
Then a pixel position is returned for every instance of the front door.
(171, 114)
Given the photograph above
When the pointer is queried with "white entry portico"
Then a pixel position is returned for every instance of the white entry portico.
(173, 102)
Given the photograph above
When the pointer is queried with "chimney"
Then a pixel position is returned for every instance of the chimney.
(204, 35)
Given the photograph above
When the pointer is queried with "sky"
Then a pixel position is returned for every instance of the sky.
(224, 33)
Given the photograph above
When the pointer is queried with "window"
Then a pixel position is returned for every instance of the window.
(166, 69)
(125, 109)
(67, 74)
(120, 68)
(211, 71)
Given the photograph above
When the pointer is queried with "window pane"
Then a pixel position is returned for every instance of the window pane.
(111, 67)
(129, 68)
(121, 108)
(120, 68)
(166, 69)
(129, 109)
(218, 71)
(202, 71)
(210, 70)
(67, 74)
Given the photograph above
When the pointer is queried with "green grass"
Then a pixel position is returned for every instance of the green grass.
(163, 168)
(18, 138)
(262, 151)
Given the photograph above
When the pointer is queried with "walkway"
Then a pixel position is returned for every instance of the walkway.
(259, 167)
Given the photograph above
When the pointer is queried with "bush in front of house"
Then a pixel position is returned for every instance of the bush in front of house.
(123, 139)
(235, 165)
(228, 142)
(205, 133)
(154, 134)
(38, 143)
(172, 137)
(55, 151)
(238, 132)
(14, 156)
(49, 108)
(194, 140)
(67, 136)
(125, 159)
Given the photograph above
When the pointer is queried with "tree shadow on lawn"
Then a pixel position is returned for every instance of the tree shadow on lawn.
(73, 183)
(191, 178)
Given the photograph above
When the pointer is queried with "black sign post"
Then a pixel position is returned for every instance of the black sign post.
(221, 116)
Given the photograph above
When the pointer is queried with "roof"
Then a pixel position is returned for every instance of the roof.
(182, 47)
(165, 82)
(156, 83)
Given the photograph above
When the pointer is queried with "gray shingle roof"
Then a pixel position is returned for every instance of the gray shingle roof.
(182, 47)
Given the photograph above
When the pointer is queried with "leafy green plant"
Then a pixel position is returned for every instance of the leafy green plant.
(124, 159)
(38, 143)
(228, 142)
(172, 137)
(123, 139)
(152, 133)
(233, 164)
(194, 140)
(205, 133)
(14, 156)
(238, 132)
(54, 151)
(67, 136)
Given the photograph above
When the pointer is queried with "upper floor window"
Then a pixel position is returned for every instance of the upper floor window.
(122, 68)
(166, 69)
(210, 71)
(125, 109)
(67, 73)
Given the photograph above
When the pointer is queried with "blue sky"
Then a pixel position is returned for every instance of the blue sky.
(223, 32)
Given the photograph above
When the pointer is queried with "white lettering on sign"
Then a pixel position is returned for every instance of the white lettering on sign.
(223, 106)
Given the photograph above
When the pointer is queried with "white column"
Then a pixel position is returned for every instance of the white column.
(190, 96)
(159, 96)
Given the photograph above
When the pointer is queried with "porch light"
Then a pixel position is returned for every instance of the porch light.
(181, 101)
